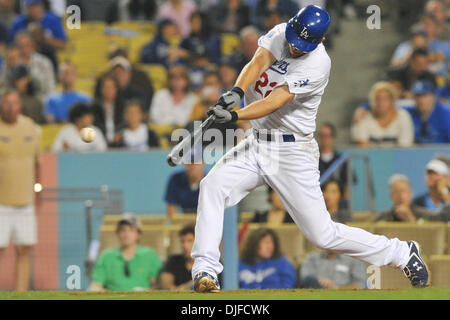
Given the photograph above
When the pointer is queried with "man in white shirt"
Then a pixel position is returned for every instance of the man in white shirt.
(283, 86)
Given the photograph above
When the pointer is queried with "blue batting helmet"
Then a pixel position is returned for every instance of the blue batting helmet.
(307, 28)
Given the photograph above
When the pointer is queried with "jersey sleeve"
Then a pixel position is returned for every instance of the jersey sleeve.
(273, 41)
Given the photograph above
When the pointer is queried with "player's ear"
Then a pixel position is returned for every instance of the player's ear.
(323, 39)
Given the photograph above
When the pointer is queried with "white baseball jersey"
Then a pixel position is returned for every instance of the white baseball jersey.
(306, 77)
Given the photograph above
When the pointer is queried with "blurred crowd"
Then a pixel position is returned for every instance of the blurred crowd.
(187, 43)
(410, 104)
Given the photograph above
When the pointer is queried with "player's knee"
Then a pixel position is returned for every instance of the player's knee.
(210, 183)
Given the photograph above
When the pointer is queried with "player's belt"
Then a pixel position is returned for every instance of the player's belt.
(268, 137)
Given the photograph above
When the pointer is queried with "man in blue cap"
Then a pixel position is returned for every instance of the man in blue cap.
(55, 34)
(431, 117)
(283, 85)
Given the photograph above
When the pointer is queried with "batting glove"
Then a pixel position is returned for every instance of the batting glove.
(231, 98)
(222, 115)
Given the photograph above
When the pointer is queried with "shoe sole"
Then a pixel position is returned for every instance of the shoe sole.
(206, 285)
(426, 266)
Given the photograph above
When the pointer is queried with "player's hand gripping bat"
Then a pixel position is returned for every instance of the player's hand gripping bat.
(176, 155)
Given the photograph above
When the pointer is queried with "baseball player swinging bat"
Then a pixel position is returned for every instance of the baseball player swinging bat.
(282, 87)
(176, 156)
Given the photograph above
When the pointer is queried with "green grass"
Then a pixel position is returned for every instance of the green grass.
(408, 294)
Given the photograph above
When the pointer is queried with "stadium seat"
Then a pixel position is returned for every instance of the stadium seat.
(48, 135)
(440, 271)
(174, 240)
(145, 220)
(448, 238)
(157, 74)
(184, 219)
(246, 216)
(108, 237)
(85, 85)
(392, 278)
(156, 237)
(431, 236)
(229, 42)
(362, 216)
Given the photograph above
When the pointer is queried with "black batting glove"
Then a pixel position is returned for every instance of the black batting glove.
(222, 115)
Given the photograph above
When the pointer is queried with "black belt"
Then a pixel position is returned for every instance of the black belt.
(270, 137)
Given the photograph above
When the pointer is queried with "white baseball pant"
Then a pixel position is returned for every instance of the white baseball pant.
(291, 169)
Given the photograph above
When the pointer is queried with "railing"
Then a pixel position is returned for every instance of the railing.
(347, 159)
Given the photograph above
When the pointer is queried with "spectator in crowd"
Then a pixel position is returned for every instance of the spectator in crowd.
(202, 38)
(183, 189)
(19, 171)
(139, 81)
(40, 66)
(20, 80)
(122, 72)
(176, 272)
(439, 49)
(3, 35)
(430, 117)
(97, 10)
(58, 104)
(206, 5)
(54, 31)
(173, 105)
(135, 135)
(329, 270)
(272, 18)
(162, 49)
(262, 265)
(403, 209)
(286, 8)
(13, 57)
(332, 193)
(437, 181)
(7, 11)
(228, 74)
(213, 79)
(37, 33)
(129, 267)
(326, 139)
(385, 125)
(402, 54)
(416, 69)
(69, 139)
(142, 10)
(178, 11)
(249, 43)
(437, 8)
(208, 97)
(231, 16)
(108, 108)
(443, 93)
(277, 213)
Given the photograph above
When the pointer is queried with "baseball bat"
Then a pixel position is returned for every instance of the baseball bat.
(174, 158)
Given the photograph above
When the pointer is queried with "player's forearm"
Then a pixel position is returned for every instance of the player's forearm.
(258, 109)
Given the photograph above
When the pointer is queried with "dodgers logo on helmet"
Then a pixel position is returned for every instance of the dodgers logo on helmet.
(307, 28)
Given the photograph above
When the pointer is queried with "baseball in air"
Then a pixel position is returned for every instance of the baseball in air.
(87, 134)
